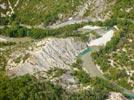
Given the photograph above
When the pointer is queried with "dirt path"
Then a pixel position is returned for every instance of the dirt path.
(72, 21)
(63, 24)
(11, 8)
(16, 4)
(56, 26)
(60, 25)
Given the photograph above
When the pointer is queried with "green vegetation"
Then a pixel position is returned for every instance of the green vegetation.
(22, 58)
(46, 11)
(116, 59)
(2, 44)
(36, 12)
(3, 59)
(29, 88)
(80, 74)
(13, 2)
(99, 87)
(121, 51)
(15, 31)
(4, 20)
(68, 31)
(121, 9)
(56, 72)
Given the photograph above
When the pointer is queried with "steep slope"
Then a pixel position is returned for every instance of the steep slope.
(47, 12)
(50, 53)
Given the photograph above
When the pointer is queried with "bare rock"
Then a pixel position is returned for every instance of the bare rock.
(116, 96)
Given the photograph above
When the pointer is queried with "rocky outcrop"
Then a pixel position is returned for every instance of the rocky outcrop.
(50, 53)
(102, 41)
(116, 96)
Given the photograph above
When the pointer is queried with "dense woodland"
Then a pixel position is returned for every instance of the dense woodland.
(29, 88)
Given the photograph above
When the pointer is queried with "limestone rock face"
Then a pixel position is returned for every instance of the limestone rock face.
(50, 53)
